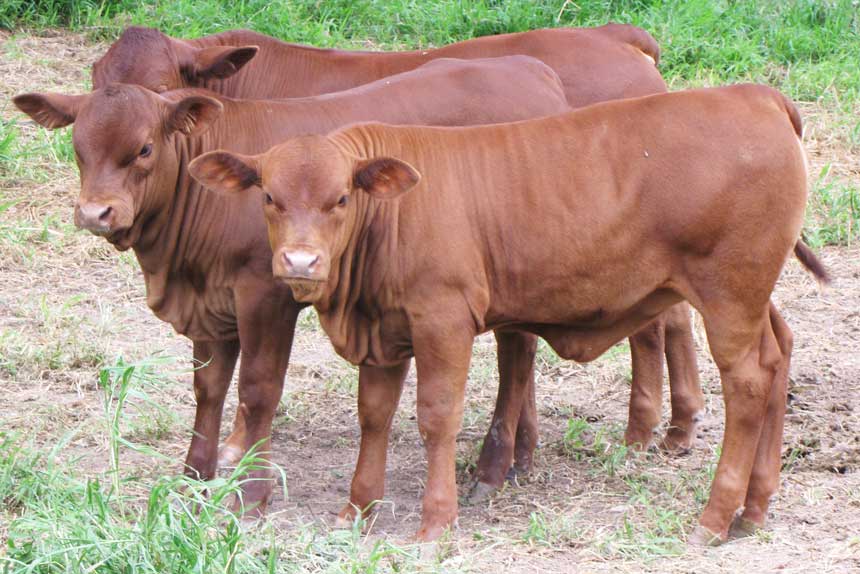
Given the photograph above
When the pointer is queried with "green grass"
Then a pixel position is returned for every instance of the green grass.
(37, 155)
(834, 214)
(116, 522)
(806, 47)
(600, 446)
(8, 135)
(43, 13)
(553, 531)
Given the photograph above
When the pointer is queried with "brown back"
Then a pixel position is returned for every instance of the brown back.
(223, 62)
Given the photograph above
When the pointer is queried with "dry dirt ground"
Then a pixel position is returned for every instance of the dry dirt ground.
(69, 303)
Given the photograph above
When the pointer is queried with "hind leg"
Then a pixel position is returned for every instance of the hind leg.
(746, 351)
(646, 386)
(764, 479)
(234, 445)
(688, 403)
(512, 435)
(527, 428)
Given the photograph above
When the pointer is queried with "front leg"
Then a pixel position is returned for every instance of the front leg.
(379, 390)
(442, 356)
(267, 320)
(210, 387)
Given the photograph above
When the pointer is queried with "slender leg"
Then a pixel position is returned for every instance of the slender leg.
(210, 387)
(267, 320)
(442, 356)
(646, 386)
(527, 428)
(748, 356)
(233, 448)
(514, 426)
(764, 479)
(688, 403)
(379, 390)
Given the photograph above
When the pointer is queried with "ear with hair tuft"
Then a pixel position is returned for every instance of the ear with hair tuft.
(384, 177)
(193, 115)
(222, 61)
(50, 110)
(225, 171)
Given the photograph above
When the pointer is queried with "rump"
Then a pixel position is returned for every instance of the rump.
(636, 37)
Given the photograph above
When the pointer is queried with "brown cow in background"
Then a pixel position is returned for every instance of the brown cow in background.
(394, 276)
(206, 259)
(594, 64)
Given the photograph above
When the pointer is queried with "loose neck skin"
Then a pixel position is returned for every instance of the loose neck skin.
(193, 247)
(372, 271)
(401, 253)
(187, 229)
(248, 127)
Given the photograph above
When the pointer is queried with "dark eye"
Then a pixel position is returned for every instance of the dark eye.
(269, 199)
(146, 150)
(344, 199)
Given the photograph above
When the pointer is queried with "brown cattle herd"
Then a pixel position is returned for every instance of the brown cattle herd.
(539, 184)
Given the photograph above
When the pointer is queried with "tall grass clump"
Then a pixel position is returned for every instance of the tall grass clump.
(65, 523)
(116, 522)
(53, 13)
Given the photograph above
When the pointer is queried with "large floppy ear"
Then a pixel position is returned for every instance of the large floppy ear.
(221, 61)
(384, 177)
(50, 110)
(225, 171)
(192, 115)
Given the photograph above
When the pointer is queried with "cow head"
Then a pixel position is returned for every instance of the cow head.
(123, 146)
(313, 192)
(148, 58)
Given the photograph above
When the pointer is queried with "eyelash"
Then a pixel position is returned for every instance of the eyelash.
(146, 150)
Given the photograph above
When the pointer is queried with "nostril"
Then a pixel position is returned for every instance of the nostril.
(300, 262)
(105, 213)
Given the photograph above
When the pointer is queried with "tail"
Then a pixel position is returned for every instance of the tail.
(636, 37)
(808, 259)
(793, 115)
(801, 250)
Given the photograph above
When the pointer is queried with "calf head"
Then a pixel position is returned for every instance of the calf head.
(314, 194)
(146, 57)
(123, 144)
